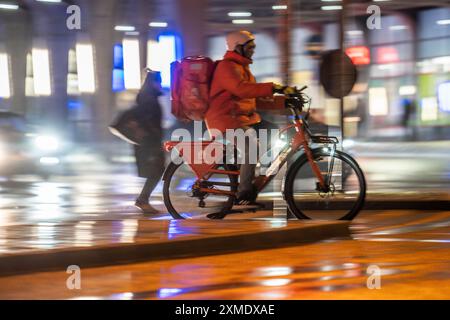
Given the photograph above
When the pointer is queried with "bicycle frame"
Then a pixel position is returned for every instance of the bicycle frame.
(299, 141)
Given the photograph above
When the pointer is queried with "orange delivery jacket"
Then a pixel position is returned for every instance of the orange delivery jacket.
(235, 96)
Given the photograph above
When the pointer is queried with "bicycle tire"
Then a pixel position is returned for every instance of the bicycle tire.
(317, 153)
(168, 175)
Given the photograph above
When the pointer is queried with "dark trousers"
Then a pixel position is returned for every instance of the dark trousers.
(150, 165)
(149, 186)
(247, 170)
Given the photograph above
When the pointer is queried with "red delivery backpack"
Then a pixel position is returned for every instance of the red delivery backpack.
(191, 81)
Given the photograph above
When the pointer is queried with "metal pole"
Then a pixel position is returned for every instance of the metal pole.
(286, 25)
(340, 182)
(341, 42)
(279, 205)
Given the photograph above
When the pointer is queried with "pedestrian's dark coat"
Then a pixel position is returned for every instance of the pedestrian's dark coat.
(149, 154)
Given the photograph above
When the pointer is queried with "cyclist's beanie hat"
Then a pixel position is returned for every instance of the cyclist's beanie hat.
(238, 38)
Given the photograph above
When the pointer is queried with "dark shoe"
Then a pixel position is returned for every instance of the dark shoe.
(146, 207)
(247, 197)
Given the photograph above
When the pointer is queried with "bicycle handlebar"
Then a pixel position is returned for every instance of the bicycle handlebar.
(302, 88)
(297, 101)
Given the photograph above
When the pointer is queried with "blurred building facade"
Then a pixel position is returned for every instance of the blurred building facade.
(403, 72)
(77, 80)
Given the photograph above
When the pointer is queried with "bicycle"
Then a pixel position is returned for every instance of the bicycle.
(320, 183)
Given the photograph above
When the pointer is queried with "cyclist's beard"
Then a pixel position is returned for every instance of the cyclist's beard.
(248, 57)
(241, 51)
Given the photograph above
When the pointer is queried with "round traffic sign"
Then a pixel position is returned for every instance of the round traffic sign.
(338, 74)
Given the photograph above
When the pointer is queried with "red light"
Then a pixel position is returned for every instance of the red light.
(387, 55)
(359, 55)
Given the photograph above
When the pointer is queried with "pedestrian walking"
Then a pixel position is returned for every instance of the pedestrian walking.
(149, 154)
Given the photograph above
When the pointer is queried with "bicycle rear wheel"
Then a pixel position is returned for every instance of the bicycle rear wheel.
(184, 201)
(347, 188)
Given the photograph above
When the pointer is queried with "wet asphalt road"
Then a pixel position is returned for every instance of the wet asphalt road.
(410, 248)
(95, 189)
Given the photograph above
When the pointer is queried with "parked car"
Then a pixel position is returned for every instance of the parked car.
(27, 149)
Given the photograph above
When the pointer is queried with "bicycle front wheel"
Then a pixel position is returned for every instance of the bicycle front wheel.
(347, 187)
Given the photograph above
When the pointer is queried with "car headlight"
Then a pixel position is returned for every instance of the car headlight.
(46, 143)
(49, 161)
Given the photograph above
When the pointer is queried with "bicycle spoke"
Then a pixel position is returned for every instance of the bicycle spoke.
(190, 198)
(346, 189)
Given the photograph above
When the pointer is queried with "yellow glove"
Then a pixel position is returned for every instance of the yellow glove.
(289, 90)
(278, 88)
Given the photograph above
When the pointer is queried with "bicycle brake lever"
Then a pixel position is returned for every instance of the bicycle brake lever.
(302, 88)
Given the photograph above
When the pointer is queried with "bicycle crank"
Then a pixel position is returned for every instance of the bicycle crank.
(328, 191)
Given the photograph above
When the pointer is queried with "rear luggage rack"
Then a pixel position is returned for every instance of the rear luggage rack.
(324, 139)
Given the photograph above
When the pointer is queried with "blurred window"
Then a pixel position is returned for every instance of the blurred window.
(444, 96)
(434, 48)
(395, 29)
(434, 23)
(166, 55)
(378, 102)
(72, 74)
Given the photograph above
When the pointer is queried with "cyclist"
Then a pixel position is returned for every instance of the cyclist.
(235, 97)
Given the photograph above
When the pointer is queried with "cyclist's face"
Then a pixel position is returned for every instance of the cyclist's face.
(249, 49)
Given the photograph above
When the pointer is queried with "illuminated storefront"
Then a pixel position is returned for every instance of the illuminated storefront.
(433, 69)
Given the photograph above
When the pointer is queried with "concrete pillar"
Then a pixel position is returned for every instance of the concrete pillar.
(16, 23)
(285, 41)
(50, 32)
(190, 23)
(100, 17)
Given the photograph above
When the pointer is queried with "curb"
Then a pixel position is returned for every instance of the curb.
(407, 205)
(106, 255)
(390, 204)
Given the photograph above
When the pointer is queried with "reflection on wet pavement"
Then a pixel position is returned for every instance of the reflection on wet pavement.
(414, 266)
(267, 281)
(410, 247)
(27, 201)
(25, 238)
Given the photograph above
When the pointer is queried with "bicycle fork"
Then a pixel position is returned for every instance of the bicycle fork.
(330, 165)
(323, 184)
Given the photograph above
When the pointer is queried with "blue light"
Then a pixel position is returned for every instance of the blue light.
(118, 57)
(118, 77)
(444, 96)
(118, 80)
(166, 55)
(185, 184)
(168, 292)
(74, 105)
